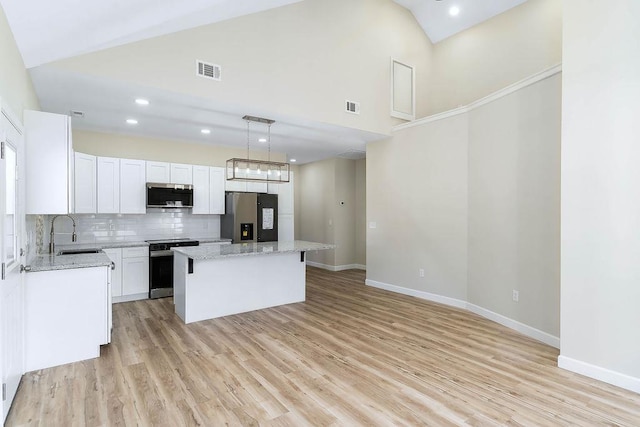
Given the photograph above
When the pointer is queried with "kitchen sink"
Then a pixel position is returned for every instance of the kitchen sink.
(78, 251)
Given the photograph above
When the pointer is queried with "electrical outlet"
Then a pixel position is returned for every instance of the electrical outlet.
(421, 272)
(516, 295)
(372, 224)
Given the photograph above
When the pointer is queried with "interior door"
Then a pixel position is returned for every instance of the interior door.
(11, 284)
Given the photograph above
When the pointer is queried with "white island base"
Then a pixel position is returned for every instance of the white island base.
(224, 286)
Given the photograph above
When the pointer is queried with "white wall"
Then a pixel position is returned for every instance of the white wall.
(162, 150)
(16, 89)
(496, 53)
(302, 60)
(600, 306)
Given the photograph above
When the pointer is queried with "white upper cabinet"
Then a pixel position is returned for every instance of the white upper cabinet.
(201, 190)
(49, 163)
(169, 173)
(133, 197)
(208, 190)
(159, 172)
(285, 196)
(235, 185)
(181, 174)
(257, 187)
(108, 185)
(85, 183)
(216, 190)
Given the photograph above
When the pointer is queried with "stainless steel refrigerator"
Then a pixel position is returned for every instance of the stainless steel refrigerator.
(250, 217)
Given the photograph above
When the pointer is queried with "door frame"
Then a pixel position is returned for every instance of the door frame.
(14, 269)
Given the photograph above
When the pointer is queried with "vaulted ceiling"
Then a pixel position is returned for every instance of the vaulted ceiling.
(50, 30)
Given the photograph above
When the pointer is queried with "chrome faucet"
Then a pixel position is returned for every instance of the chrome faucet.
(52, 245)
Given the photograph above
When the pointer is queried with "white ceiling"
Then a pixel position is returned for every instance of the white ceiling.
(180, 117)
(48, 30)
(434, 18)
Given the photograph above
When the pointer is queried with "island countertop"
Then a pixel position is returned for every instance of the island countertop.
(249, 249)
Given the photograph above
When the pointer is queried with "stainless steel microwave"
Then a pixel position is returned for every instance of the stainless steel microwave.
(161, 195)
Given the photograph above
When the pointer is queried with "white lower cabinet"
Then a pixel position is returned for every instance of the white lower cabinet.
(67, 316)
(135, 273)
(115, 255)
(130, 276)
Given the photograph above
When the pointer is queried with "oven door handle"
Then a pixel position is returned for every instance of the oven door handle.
(155, 254)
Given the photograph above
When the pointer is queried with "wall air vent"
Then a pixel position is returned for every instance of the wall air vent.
(352, 107)
(208, 70)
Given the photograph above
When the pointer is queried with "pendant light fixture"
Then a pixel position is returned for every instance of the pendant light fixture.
(257, 170)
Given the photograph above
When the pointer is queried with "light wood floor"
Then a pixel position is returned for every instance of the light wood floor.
(350, 355)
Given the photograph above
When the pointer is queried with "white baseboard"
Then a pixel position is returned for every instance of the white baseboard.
(599, 373)
(527, 330)
(337, 267)
(420, 294)
(127, 298)
(534, 333)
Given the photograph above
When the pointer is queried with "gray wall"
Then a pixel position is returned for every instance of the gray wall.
(331, 194)
(474, 200)
(417, 197)
(514, 205)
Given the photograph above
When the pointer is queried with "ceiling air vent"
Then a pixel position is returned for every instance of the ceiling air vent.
(208, 70)
(76, 113)
(352, 107)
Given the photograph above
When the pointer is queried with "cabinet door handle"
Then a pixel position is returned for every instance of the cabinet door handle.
(113, 265)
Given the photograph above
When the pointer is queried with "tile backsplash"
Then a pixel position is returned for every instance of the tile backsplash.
(95, 228)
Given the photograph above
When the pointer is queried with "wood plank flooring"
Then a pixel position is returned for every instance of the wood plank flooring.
(349, 355)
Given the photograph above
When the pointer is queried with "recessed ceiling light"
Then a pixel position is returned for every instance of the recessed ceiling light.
(141, 101)
(454, 10)
(132, 121)
(262, 140)
(206, 131)
(292, 160)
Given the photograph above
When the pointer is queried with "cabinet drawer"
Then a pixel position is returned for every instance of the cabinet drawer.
(135, 252)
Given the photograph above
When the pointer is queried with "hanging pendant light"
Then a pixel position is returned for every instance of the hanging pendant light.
(251, 169)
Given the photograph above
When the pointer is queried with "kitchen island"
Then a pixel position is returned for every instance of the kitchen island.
(219, 280)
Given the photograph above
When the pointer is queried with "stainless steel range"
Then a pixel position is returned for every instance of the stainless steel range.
(161, 265)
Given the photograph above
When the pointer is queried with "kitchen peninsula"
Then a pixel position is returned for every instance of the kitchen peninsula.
(220, 280)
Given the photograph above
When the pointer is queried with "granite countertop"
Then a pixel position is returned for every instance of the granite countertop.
(65, 262)
(129, 244)
(212, 240)
(249, 249)
(101, 245)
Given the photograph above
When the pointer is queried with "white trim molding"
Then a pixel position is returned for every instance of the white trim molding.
(545, 74)
(526, 330)
(337, 267)
(419, 294)
(601, 374)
